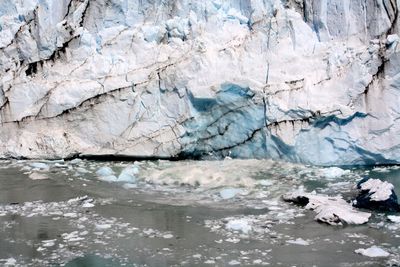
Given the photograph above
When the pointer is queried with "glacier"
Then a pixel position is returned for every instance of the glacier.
(307, 81)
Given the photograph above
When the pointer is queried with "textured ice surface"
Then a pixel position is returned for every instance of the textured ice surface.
(380, 190)
(241, 225)
(373, 251)
(330, 210)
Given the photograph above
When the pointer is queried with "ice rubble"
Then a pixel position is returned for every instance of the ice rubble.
(373, 252)
(241, 225)
(330, 210)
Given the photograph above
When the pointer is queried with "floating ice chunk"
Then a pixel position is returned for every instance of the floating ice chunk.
(10, 262)
(380, 190)
(87, 205)
(129, 186)
(298, 241)
(376, 195)
(168, 236)
(239, 225)
(38, 176)
(70, 215)
(234, 262)
(330, 210)
(228, 193)
(266, 182)
(105, 171)
(334, 172)
(394, 218)
(109, 178)
(128, 174)
(49, 243)
(103, 226)
(373, 251)
(39, 165)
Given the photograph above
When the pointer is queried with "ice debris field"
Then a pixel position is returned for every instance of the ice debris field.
(242, 212)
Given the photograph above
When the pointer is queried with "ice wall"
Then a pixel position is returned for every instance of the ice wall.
(307, 81)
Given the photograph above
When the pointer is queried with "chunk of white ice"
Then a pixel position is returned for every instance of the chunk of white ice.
(381, 190)
(394, 218)
(373, 252)
(239, 225)
(298, 241)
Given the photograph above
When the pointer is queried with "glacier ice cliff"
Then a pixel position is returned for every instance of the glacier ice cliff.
(308, 81)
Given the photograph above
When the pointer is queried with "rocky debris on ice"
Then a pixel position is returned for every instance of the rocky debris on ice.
(375, 194)
(330, 210)
(334, 172)
(373, 252)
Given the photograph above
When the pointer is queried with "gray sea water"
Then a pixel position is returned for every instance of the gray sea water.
(176, 214)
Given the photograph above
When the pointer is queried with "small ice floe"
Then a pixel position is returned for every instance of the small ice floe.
(376, 195)
(38, 176)
(228, 193)
(103, 226)
(105, 171)
(72, 237)
(266, 182)
(39, 165)
(87, 205)
(239, 225)
(381, 169)
(373, 252)
(330, 210)
(48, 243)
(298, 241)
(128, 174)
(334, 172)
(129, 186)
(234, 262)
(168, 236)
(394, 218)
(10, 262)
